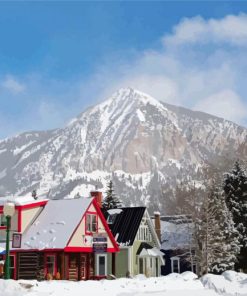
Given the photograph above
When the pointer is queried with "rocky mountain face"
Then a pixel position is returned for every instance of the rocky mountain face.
(143, 145)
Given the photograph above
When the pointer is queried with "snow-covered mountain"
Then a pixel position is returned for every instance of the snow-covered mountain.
(139, 142)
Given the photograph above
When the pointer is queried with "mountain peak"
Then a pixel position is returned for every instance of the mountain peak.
(140, 143)
(131, 96)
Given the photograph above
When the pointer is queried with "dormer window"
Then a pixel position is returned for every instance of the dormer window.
(112, 215)
(111, 219)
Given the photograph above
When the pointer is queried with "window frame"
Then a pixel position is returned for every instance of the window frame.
(90, 231)
(175, 259)
(97, 264)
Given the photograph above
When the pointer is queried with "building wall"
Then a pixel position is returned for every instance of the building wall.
(134, 258)
(122, 263)
(28, 216)
(13, 228)
(185, 264)
(80, 239)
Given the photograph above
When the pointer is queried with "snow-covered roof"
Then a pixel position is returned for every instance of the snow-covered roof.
(154, 252)
(114, 211)
(20, 200)
(55, 224)
(176, 232)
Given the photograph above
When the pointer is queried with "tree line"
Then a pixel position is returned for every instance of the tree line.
(218, 208)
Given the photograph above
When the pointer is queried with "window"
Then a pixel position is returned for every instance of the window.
(111, 218)
(101, 265)
(51, 264)
(3, 221)
(91, 223)
(143, 233)
(175, 262)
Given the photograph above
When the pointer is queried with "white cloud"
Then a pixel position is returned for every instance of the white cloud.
(231, 29)
(13, 85)
(226, 104)
(212, 80)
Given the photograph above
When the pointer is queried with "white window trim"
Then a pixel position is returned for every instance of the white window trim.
(97, 264)
(91, 215)
(172, 262)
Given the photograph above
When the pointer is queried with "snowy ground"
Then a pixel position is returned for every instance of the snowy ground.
(186, 284)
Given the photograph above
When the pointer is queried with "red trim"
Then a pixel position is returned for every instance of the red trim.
(78, 249)
(35, 250)
(111, 250)
(105, 225)
(32, 205)
(15, 267)
(85, 250)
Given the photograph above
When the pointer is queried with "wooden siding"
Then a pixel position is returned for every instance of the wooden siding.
(28, 265)
(73, 267)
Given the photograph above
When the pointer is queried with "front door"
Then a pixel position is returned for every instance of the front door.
(101, 265)
(83, 267)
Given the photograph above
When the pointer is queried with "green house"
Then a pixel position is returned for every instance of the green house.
(139, 245)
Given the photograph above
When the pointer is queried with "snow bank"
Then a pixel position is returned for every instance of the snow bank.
(10, 288)
(185, 284)
(230, 283)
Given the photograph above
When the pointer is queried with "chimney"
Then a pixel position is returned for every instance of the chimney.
(157, 224)
(98, 196)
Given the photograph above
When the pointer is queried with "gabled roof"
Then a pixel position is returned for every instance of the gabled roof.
(143, 245)
(126, 225)
(55, 224)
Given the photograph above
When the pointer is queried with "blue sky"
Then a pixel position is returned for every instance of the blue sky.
(57, 58)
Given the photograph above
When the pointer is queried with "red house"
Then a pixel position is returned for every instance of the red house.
(64, 239)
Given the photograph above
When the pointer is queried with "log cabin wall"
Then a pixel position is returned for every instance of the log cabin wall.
(73, 267)
(27, 265)
(41, 267)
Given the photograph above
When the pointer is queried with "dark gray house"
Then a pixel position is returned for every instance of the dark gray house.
(177, 244)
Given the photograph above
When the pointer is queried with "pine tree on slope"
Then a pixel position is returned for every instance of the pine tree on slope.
(111, 201)
(235, 188)
(218, 243)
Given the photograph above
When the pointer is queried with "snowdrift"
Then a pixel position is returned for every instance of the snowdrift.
(185, 284)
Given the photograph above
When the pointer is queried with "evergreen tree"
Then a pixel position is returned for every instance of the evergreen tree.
(218, 240)
(235, 188)
(111, 201)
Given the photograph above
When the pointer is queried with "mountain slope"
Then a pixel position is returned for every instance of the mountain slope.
(139, 142)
